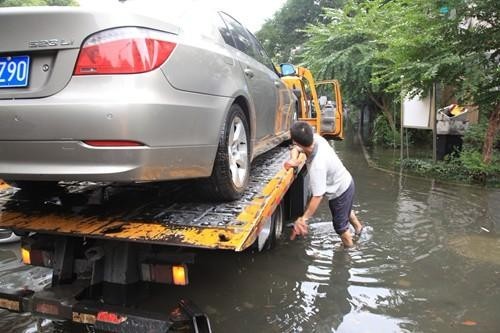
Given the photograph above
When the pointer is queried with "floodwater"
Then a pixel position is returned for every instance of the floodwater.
(428, 261)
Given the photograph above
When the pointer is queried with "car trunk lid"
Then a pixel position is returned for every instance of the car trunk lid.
(51, 37)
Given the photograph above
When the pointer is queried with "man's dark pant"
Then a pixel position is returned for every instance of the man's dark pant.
(341, 209)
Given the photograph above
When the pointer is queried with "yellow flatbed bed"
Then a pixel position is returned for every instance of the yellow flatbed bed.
(157, 213)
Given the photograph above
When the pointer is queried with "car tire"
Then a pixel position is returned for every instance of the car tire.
(231, 169)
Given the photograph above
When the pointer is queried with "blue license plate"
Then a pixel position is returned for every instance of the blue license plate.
(14, 71)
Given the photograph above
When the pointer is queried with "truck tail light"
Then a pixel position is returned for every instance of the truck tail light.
(47, 308)
(164, 273)
(36, 257)
(179, 274)
(127, 50)
(110, 317)
(25, 254)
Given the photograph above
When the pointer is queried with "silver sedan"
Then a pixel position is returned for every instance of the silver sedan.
(140, 91)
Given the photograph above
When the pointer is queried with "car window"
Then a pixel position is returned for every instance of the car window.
(240, 35)
(224, 31)
(204, 24)
(260, 53)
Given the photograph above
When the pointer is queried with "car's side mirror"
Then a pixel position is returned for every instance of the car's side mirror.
(287, 69)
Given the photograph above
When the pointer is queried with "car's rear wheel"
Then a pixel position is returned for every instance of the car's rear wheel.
(231, 170)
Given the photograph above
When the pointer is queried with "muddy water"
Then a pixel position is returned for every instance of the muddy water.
(428, 261)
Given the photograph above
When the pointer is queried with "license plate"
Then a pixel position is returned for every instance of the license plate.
(14, 71)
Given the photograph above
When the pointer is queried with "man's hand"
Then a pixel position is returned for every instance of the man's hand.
(292, 163)
(299, 228)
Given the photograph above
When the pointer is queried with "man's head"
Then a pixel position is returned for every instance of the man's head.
(302, 133)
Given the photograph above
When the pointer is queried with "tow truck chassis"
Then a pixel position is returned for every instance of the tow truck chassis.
(105, 243)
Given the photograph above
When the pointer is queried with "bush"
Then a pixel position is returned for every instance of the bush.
(472, 161)
(468, 167)
(383, 134)
(474, 137)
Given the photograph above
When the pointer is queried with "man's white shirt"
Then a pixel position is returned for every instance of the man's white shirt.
(327, 175)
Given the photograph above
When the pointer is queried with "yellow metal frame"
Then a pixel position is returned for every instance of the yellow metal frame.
(297, 82)
(339, 124)
(3, 185)
(237, 237)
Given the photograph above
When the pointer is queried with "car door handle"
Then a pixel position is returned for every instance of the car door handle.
(277, 84)
(249, 73)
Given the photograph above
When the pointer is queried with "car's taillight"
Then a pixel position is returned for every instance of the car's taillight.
(124, 51)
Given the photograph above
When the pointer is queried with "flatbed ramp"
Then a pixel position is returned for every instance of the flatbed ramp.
(158, 213)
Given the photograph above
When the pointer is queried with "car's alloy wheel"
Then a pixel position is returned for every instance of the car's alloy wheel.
(231, 169)
(238, 152)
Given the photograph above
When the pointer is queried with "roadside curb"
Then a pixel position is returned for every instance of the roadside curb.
(374, 165)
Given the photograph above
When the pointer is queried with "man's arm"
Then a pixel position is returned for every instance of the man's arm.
(294, 161)
(312, 207)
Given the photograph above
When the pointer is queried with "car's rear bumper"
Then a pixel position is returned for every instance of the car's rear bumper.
(73, 160)
(42, 139)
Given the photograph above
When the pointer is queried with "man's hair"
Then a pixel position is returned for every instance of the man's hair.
(302, 133)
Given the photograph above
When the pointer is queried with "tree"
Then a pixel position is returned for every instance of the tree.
(382, 48)
(348, 48)
(283, 35)
(458, 47)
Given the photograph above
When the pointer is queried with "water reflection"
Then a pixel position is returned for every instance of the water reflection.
(485, 247)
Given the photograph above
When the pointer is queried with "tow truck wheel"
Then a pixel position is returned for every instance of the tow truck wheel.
(272, 231)
(231, 170)
(276, 228)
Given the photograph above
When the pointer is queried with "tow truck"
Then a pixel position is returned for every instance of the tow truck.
(327, 120)
(105, 242)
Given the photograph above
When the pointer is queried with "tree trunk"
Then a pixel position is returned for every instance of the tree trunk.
(389, 116)
(384, 107)
(491, 133)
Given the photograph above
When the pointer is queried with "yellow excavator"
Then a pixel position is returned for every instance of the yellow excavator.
(323, 114)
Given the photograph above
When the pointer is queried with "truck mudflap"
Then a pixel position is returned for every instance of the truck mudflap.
(166, 214)
(63, 307)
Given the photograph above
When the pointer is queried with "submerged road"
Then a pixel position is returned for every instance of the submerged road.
(428, 261)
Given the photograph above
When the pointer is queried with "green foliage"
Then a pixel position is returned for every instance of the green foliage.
(474, 137)
(379, 48)
(346, 47)
(18, 3)
(283, 36)
(383, 134)
(467, 167)
(424, 47)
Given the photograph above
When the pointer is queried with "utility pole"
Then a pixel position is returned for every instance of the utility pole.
(433, 120)
(401, 123)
